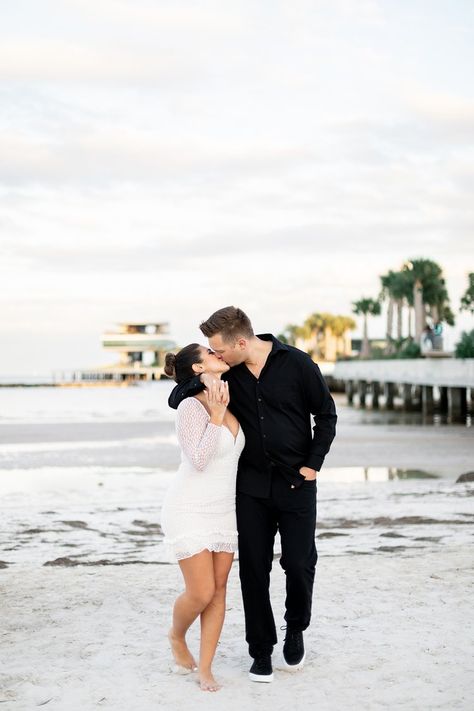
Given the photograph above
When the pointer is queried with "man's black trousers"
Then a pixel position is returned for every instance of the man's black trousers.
(293, 513)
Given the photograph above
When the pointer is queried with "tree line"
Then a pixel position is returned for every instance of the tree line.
(417, 289)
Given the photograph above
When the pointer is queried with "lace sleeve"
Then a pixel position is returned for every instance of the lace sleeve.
(197, 436)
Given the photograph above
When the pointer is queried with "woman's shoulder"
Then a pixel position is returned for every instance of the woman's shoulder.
(191, 405)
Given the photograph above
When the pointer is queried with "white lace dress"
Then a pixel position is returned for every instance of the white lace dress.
(198, 510)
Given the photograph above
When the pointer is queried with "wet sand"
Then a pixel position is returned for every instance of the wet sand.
(363, 439)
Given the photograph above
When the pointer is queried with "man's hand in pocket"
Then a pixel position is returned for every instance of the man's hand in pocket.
(309, 474)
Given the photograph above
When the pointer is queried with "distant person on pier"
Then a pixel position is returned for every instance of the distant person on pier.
(426, 339)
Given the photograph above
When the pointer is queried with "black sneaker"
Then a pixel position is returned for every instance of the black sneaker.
(293, 651)
(261, 669)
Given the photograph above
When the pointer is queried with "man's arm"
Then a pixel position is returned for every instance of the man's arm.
(323, 409)
(187, 388)
(191, 387)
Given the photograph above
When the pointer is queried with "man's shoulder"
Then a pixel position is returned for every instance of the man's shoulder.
(299, 356)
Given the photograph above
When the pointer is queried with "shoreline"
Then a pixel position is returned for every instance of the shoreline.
(446, 449)
(90, 384)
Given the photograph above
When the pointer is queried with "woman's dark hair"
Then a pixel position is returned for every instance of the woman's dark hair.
(179, 366)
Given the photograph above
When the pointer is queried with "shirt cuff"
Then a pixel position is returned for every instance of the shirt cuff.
(315, 462)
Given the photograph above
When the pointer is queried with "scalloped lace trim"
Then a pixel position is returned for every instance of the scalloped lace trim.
(215, 541)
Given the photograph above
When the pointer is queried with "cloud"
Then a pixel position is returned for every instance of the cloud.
(444, 117)
(278, 154)
(324, 241)
(126, 154)
(204, 17)
(61, 61)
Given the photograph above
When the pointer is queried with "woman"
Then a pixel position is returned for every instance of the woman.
(198, 514)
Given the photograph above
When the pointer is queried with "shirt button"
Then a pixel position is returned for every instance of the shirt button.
(292, 486)
(260, 399)
(261, 417)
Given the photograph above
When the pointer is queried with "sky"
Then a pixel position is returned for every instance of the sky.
(160, 160)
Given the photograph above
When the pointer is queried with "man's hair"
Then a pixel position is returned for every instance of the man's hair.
(230, 322)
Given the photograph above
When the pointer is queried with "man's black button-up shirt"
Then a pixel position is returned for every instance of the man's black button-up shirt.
(274, 411)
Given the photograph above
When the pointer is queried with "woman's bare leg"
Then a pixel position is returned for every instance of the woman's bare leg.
(212, 620)
(198, 573)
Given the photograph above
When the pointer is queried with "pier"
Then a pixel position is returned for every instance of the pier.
(444, 384)
(141, 346)
(107, 375)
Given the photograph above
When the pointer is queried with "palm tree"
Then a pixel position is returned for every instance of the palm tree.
(340, 325)
(439, 308)
(291, 333)
(429, 293)
(403, 295)
(327, 332)
(318, 327)
(467, 299)
(389, 290)
(313, 327)
(364, 307)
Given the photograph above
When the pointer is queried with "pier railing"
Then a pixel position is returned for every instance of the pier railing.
(427, 385)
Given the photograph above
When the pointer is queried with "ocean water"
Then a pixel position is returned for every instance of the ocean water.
(83, 473)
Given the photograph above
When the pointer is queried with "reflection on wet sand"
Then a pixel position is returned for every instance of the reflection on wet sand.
(357, 507)
(353, 474)
(84, 477)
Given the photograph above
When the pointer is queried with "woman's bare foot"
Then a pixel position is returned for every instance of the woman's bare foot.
(207, 682)
(182, 655)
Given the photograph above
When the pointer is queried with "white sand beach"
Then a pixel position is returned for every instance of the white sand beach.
(388, 633)
(81, 481)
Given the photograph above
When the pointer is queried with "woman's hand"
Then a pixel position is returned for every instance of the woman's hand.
(207, 379)
(217, 399)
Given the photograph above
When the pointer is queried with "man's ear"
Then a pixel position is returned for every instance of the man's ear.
(242, 343)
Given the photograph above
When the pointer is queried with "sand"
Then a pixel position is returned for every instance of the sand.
(388, 632)
(83, 477)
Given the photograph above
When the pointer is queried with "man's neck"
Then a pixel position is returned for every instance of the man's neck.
(258, 351)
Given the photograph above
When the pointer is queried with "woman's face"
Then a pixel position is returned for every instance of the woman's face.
(211, 363)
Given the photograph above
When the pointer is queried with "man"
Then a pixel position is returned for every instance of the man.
(274, 390)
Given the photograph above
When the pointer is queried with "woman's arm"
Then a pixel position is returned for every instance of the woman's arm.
(197, 436)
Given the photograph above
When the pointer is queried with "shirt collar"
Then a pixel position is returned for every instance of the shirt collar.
(276, 344)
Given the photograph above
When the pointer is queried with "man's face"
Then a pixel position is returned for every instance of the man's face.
(231, 353)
